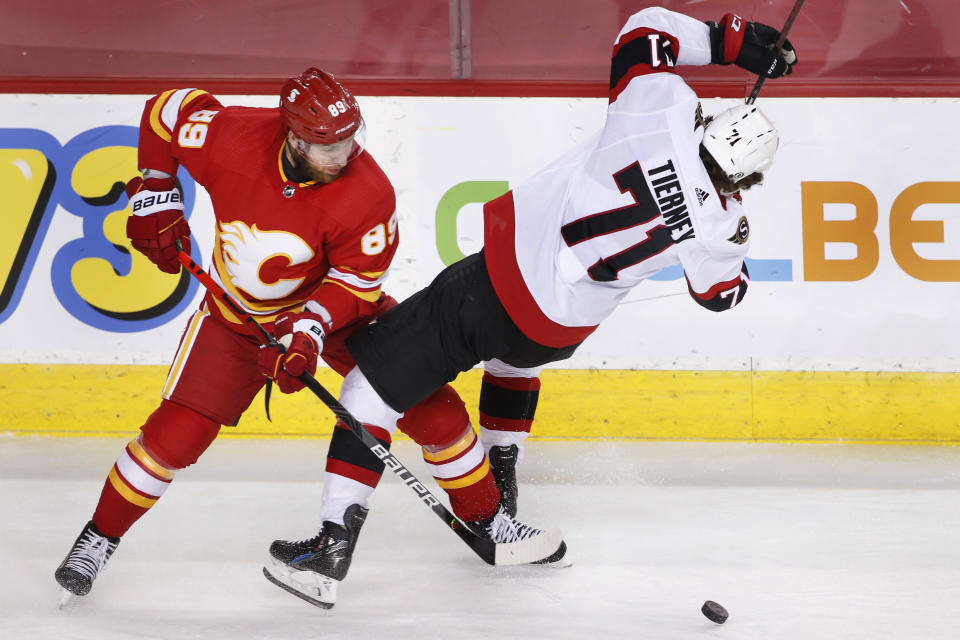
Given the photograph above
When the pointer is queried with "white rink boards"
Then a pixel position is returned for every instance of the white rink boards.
(855, 255)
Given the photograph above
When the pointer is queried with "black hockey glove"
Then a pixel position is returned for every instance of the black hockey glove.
(751, 46)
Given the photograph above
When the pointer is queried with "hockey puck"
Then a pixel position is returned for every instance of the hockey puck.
(714, 612)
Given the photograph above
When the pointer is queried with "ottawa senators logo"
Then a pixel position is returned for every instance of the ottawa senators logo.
(743, 231)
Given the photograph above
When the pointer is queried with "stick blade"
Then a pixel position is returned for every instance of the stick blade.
(539, 549)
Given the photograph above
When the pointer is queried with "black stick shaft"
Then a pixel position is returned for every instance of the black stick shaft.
(783, 36)
(483, 548)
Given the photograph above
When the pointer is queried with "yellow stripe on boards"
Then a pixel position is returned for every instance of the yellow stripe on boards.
(887, 407)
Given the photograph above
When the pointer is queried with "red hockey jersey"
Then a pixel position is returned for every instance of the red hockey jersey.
(278, 243)
(564, 247)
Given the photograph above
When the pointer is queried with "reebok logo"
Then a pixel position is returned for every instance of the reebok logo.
(701, 195)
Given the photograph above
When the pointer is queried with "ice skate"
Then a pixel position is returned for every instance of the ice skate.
(503, 464)
(546, 547)
(84, 562)
(312, 569)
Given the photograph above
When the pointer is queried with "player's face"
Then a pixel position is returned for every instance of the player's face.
(321, 162)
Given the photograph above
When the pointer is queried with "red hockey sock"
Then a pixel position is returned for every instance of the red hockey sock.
(453, 452)
(172, 438)
(477, 501)
(134, 485)
(463, 471)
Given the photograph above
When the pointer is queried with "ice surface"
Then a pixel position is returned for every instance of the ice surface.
(796, 541)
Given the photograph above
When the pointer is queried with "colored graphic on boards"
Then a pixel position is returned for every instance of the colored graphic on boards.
(97, 277)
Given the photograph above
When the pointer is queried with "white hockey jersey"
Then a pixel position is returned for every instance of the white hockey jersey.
(564, 247)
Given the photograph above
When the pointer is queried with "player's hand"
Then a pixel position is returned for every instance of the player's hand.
(751, 46)
(302, 334)
(157, 221)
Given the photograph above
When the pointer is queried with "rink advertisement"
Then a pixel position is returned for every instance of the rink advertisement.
(847, 331)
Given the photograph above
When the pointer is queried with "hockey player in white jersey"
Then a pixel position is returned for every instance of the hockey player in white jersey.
(657, 186)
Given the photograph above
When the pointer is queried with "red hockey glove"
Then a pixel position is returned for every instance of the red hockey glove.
(284, 368)
(157, 221)
(751, 46)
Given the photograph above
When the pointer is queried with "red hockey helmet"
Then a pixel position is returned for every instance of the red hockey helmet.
(318, 109)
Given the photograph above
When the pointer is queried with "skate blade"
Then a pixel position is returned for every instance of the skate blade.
(316, 589)
(537, 549)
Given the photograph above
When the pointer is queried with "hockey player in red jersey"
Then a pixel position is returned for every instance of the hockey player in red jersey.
(657, 186)
(306, 228)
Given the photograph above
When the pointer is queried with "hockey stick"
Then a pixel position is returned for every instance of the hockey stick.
(524, 552)
(783, 36)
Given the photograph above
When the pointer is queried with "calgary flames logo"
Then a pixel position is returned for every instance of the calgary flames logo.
(245, 249)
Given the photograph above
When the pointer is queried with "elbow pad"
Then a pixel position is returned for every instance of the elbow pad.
(723, 295)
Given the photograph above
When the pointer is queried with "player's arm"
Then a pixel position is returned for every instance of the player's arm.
(722, 295)
(359, 258)
(360, 255)
(174, 128)
(751, 46)
(713, 258)
(656, 40)
(646, 54)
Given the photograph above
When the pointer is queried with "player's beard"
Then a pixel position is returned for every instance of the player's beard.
(306, 172)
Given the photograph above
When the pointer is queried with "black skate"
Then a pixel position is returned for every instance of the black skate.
(503, 464)
(502, 528)
(312, 569)
(86, 560)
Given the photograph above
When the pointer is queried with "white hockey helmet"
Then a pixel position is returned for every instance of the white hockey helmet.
(741, 140)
